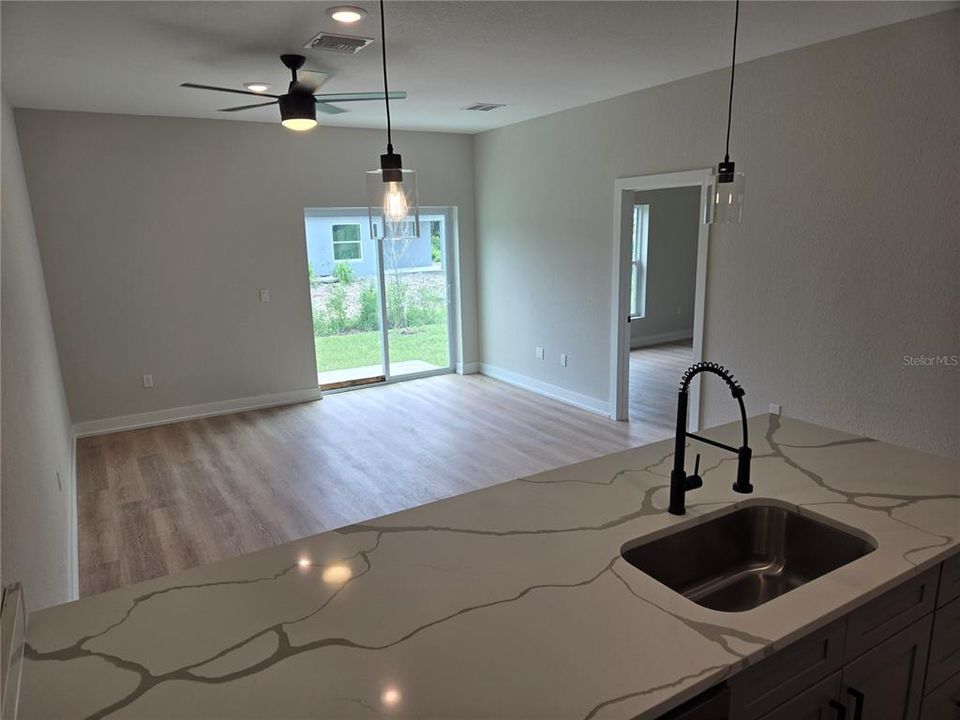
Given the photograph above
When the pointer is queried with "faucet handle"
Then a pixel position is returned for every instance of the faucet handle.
(694, 481)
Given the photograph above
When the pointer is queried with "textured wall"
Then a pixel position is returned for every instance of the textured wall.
(848, 258)
(37, 442)
(157, 234)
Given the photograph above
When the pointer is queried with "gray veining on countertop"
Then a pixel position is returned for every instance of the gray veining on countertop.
(508, 602)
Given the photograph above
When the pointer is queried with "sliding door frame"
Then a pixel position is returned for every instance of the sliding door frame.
(450, 254)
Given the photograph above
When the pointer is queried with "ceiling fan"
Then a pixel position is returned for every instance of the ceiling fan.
(298, 107)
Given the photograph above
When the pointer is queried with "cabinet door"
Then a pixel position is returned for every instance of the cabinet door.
(816, 703)
(886, 683)
(944, 702)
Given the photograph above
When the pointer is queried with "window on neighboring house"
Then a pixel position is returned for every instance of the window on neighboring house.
(347, 244)
(638, 270)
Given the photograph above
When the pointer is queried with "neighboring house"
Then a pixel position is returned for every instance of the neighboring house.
(346, 238)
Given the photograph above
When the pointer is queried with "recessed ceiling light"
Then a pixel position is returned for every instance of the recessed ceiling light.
(347, 14)
(256, 86)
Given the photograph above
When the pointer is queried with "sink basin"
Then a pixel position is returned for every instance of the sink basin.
(744, 558)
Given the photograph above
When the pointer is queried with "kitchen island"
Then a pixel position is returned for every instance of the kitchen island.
(508, 602)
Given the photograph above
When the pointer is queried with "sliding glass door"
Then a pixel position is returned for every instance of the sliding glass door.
(381, 310)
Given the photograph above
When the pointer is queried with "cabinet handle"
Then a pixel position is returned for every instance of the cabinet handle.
(857, 703)
(840, 709)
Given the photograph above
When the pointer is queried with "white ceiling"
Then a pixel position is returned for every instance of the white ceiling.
(538, 57)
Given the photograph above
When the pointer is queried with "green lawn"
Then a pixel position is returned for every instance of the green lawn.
(424, 342)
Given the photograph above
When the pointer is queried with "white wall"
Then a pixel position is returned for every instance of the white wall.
(847, 260)
(157, 234)
(37, 441)
(673, 229)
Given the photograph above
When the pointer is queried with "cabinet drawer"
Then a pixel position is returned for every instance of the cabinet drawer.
(890, 613)
(944, 645)
(812, 704)
(771, 682)
(944, 702)
(949, 581)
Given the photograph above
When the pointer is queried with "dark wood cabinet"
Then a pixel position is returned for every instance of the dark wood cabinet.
(944, 702)
(886, 683)
(895, 658)
(820, 702)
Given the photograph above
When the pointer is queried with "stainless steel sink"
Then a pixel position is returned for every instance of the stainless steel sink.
(746, 557)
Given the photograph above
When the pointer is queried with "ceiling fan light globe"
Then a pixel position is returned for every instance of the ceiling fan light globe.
(258, 87)
(299, 124)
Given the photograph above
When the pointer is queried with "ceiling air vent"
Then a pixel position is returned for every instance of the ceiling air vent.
(484, 107)
(343, 44)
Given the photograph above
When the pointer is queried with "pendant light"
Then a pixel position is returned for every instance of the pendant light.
(728, 196)
(391, 189)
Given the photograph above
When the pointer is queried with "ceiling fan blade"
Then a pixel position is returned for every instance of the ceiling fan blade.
(248, 107)
(311, 80)
(356, 97)
(330, 109)
(195, 86)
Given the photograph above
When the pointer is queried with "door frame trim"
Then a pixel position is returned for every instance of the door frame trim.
(620, 301)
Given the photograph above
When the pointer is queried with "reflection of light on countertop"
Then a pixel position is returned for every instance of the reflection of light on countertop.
(337, 574)
(304, 562)
(391, 697)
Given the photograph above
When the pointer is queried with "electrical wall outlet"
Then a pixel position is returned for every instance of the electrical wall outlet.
(264, 295)
(679, 309)
(774, 409)
(148, 381)
(563, 359)
(539, 353)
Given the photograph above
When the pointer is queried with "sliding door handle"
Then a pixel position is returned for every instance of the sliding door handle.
(857, 703)
(839, 708)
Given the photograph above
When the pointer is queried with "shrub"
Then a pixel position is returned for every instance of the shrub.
(368, 318)
(426, 307)
(337, 310)
(344, 273)
(397, 304)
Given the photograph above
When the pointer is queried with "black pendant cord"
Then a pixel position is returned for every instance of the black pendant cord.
(733, 69)
(386, 87)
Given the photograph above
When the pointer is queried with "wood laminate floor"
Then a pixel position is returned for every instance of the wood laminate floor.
(654, 378)
(163, 499)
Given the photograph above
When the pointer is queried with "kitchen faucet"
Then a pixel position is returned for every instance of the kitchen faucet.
(680, 482)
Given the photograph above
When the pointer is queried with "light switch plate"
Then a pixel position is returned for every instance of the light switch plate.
(148, 381)
(264, 295)
(539, 353)
(563, 359)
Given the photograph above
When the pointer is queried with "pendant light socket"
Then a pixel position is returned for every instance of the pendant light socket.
(392, 166)
(726, 171)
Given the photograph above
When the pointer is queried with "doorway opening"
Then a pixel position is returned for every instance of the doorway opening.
(660, 255)
(382, 310)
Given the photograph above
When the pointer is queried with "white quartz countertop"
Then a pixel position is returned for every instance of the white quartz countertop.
(506, 603)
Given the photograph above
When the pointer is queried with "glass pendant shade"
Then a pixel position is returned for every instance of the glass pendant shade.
(392, 199)
(728, 195)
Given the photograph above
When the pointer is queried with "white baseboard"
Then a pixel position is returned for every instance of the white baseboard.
(470, 368)
(192, 412)
(554, 392)
(648, 340)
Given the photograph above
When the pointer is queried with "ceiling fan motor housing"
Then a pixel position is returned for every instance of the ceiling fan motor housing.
(298, 106)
